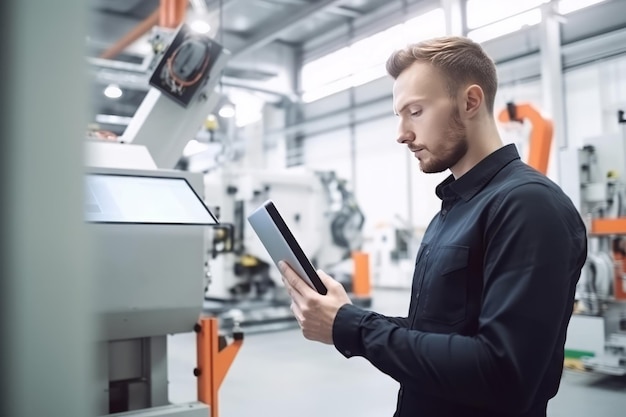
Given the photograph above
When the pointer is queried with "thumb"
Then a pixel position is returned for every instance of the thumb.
(326, 279)
(335, 288)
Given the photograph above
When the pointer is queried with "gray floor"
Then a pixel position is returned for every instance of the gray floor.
(283, 375)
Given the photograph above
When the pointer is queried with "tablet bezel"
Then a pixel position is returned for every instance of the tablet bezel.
(299, 256)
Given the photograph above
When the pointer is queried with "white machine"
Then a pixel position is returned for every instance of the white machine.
(597, 331)
(150, 225)
(149, 232)
(317, 207)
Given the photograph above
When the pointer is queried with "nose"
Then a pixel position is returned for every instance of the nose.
(405, 135)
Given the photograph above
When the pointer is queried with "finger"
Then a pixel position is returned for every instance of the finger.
(335, 288)
(293, 293)
(295, 282)
(328, 281)
(325, 278)
(297, 312)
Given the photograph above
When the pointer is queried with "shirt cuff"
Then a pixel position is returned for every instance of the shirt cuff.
(346, 330)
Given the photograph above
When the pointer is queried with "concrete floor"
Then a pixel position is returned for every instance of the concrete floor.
(283, 375)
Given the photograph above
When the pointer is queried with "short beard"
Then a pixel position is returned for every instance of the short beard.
(453, 147)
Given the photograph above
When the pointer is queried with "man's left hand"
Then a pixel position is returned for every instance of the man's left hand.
(315, 312)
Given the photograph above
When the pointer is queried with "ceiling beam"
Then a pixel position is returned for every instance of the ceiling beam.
(272, 32)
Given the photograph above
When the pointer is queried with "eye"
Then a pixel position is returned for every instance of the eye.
(416, 113)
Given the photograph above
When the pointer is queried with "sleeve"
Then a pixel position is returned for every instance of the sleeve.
(534, 248)
(398, 321)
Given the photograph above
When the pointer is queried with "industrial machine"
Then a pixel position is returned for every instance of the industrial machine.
(393, 246)
(149, 226)
(324, 217)
(597, 331)
(596, 337)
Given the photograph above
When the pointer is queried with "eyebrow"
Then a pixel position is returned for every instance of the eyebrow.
(410, 102)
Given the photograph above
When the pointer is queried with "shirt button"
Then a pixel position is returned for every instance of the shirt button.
(348, 352)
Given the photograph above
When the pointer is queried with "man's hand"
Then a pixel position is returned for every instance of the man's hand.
(315, 312)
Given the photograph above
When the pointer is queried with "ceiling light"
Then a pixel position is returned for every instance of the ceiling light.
(113, 91)
(200, 26)
(227, 110)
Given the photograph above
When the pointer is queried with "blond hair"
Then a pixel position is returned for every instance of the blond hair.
(461, 61)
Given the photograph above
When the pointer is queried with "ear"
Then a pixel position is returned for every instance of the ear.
(473, 98)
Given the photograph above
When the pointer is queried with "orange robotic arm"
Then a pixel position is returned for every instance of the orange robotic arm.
(540, 136)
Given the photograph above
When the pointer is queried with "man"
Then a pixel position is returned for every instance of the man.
(495, 276)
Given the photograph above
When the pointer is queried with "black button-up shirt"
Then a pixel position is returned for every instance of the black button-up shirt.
(493, 291)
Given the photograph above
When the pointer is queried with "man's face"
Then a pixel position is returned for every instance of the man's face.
(430, 124)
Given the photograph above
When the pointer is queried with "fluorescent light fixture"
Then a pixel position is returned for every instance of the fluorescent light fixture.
(227, 111)
(200, 26)
(113, 91)
(569, 6)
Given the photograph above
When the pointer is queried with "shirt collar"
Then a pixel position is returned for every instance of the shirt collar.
(475, 179)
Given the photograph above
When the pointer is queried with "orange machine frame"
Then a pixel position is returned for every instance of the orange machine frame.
(214, 360)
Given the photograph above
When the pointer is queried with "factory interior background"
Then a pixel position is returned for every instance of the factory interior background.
(133, 283)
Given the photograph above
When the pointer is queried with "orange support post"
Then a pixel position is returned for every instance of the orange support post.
(361, 284)
(540, 136)
(213, 362)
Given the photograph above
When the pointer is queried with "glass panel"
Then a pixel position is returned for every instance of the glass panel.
(483, 12)
(503, 27)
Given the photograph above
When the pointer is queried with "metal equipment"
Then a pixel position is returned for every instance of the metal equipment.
(322, 214)
(150, 226)
(393, 246)
(597, 333)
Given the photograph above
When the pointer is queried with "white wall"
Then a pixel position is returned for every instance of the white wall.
(389, 180)
(594, 93)
(329, 152)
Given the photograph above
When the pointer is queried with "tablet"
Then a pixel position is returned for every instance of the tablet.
(281, 245)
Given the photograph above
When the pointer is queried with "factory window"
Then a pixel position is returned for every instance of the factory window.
(487, 19)
(568, 6)
(483, 12)
(504, 26)
(364, 60)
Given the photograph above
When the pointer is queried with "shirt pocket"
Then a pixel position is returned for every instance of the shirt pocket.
(446, 285)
